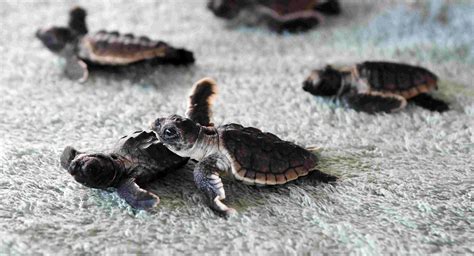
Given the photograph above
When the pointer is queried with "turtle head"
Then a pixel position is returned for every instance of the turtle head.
(56, 38)
(227, 9)
(177, 133)
(91, 170)
(323, 82)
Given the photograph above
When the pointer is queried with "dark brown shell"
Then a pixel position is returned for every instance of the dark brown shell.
(402, 79)
(289, 6)
(147, 155)
(263, 158)
(113, 48)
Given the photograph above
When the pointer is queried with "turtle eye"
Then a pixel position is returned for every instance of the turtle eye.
(170, 133)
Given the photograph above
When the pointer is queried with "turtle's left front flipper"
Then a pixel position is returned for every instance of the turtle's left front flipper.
(137, 197)
(201, 99)
(77, 20)
(76, 69)
(427, 101)
(330, 7)
(373, 102)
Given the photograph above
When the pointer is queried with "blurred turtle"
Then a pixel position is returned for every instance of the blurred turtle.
(376, 86)
(135, 161)
(278, 15)
(245, 153)
(81, 49)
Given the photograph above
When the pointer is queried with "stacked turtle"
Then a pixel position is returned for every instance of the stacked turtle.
(135, 160)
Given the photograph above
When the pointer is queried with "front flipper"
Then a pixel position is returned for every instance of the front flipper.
(77, 20)
(206, 177)
(138, 198)
(427, 101)
(76, 69)
(374, 102)
(200, 101)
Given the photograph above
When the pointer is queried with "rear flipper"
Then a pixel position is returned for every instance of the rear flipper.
(175, 56)
(76, 69)
(321, 176)
(427, 101)
(138, 198)
(374, 102)
(330, 7)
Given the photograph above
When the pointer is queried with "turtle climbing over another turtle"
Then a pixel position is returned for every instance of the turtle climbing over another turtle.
(81, 49)
(136, 160)
(377, 86)
(277, 15)
(245, 153)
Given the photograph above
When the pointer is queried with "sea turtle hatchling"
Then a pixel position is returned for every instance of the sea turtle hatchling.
(245, 153)
(136, 160)
(81, 49)
(376, 86)
(277, 15)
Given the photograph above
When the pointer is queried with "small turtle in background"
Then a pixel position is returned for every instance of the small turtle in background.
(81, 49)
(245, 153)
(135, 161)
(376, 86)
(277, 15)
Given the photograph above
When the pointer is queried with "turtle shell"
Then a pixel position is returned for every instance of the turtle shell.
(402, 79)
(283, 7)
(262, 158)
(112, 48)
(147, 155)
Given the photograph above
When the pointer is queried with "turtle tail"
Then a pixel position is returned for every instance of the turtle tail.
(317, 174)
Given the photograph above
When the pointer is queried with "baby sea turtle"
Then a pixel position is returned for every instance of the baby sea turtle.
(245, 153)
(278, 15)
(376, 86)
(136, 160)
(81, 49)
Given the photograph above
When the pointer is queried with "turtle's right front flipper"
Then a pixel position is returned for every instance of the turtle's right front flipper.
(76, 69)
(206, 177)
(372, 102)
(137, 197)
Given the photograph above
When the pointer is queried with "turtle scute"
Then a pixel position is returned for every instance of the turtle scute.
(264, 157)
(397, 77)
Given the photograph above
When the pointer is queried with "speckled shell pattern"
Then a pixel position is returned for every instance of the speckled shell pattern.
(262, 158)
(112, 48)
(289, 6)
(402, 79)
(147, 156)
